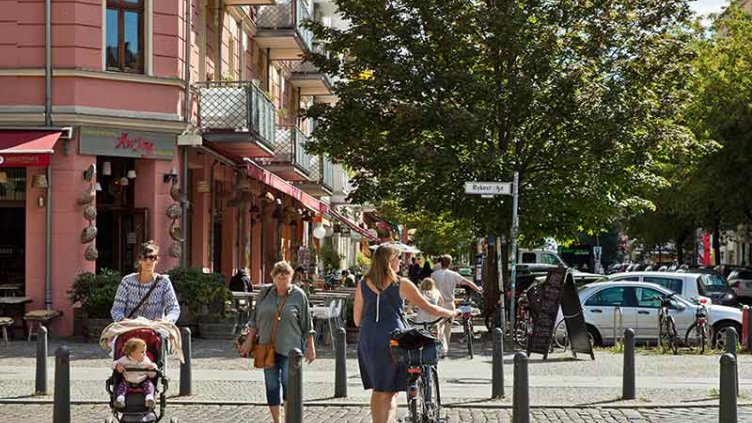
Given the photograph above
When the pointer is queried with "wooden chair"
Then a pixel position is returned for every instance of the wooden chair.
(40, 318)
(5, 323)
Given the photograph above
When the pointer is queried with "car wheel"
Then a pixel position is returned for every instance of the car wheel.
(719, 334)
(595, 337)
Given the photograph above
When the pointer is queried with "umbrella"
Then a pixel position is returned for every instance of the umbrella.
(400, 246)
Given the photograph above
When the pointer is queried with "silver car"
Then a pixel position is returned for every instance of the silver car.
(741, 282)
(639, 311)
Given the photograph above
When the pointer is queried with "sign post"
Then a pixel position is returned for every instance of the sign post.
(489, 190)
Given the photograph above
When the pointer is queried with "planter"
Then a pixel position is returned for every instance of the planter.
(95, 327)
(80, 323)
(217, 329)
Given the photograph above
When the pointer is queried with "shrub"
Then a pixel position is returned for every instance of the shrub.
(95, 292)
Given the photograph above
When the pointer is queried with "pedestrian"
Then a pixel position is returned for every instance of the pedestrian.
(134, 357)
(282, 321)
(426, 271)
(432, 295)
(348, 279)
(146, 293)
(378, 312)
(414, 270)
(446, 280)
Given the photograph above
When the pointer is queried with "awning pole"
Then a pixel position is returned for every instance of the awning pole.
(48, 243)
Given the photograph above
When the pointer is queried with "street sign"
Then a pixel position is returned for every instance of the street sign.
(488, 188)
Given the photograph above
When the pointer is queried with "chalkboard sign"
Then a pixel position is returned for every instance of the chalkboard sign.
(544, 303)
(557, 290)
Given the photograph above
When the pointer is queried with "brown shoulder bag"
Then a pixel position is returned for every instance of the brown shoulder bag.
(263, 354)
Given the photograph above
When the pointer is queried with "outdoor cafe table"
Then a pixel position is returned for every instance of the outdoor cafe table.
(12, 302)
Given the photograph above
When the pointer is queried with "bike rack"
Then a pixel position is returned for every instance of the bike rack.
(618, 332)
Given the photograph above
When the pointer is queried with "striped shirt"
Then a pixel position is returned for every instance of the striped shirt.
(161, 303)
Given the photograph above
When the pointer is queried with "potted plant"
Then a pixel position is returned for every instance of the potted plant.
(95, 294)
(350, 328)
(206, 298)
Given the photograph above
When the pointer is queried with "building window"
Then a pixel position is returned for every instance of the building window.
(125, 35)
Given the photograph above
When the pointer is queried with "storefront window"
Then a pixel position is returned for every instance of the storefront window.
(12, 184)
(125, 35)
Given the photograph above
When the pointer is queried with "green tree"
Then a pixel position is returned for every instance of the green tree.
(580, 97)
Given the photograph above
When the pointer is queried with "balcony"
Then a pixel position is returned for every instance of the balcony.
(322, 178)
(280, 29)
(310, 80)
(238, 116)
(291, 161)
(247, 2)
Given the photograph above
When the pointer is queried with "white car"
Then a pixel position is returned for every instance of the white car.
(688, 285)
(639, 311)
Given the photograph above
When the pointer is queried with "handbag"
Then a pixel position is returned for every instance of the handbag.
(263, 354)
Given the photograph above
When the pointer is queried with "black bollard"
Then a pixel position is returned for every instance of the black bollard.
(294, 404)
(732, 338)
(40, 387)
(340, 365)
(521, 391)
(727, 400)
(186, 380)
(497, 378)
(61, 412)
(628, 373)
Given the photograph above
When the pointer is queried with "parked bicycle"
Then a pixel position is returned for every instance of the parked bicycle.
(667, 336)
(468, 310)
(698, 329)
(421, 359)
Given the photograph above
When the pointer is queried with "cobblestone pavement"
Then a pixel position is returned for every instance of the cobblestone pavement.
(28, 413)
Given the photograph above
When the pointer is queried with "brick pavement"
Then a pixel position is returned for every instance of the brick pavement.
(42, 413)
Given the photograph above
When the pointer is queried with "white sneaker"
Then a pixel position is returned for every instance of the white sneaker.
(120, 402)
(149, 401)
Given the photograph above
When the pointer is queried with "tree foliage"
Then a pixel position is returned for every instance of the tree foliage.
(581, 97)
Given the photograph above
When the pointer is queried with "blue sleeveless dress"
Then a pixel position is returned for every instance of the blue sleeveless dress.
(378, 370)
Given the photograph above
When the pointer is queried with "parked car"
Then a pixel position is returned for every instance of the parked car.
(717, 287)
(639, 311)
(741, 282)
(688, 285)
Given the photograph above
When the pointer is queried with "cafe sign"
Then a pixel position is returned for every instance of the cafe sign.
(24, 160)
(126, 143)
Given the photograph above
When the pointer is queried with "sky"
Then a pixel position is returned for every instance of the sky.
(708, 6)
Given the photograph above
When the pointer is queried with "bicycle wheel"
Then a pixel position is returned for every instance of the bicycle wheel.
(432, 403)
(673, 335)
(416, 401)
(561, 339)
(688, 336)
(469, 337)
(703, 330)
(520, 333)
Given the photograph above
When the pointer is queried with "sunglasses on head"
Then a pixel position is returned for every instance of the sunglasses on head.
(150, 257)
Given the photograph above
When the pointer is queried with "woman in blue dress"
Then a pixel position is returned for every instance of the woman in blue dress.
(377, 311)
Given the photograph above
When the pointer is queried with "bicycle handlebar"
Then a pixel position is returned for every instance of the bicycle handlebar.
(415, 322)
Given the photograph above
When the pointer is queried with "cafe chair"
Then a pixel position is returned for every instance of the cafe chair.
(328, 314)
(38, 318)
(5, 323)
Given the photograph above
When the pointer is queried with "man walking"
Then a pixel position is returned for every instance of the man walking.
(446, 280)
(413, 272)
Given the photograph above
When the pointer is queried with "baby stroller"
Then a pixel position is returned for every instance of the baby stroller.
(135, 410)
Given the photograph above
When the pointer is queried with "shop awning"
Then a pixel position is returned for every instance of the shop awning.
(280, 184)
(352, 225)
(27, 148)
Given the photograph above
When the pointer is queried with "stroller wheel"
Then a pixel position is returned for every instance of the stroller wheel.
(109, 420)
(174, 420)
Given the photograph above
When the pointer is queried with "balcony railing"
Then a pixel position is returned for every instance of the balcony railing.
(235, 106)
(290, 148)
(322, 171)
(286, 14)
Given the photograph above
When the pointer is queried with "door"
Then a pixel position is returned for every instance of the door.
(119, 235)
(647, 315)
(602, 310)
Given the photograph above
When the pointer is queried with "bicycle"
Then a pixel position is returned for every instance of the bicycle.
(699, 327)
(423, 394)
(468, 311)
(666, 324)
(523, 325)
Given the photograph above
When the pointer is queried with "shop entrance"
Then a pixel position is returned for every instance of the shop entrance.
(12, 231)
(121, 227)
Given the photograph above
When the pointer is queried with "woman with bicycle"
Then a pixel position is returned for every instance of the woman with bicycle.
(378, 312)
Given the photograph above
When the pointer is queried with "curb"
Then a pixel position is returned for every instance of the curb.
(343, 404)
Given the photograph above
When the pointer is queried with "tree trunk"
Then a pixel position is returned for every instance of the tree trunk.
(491, 281)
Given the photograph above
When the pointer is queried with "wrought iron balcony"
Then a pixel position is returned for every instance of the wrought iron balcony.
(322, 177)
(280, 29)
(231, 111)
(291, 160)
(310, 80)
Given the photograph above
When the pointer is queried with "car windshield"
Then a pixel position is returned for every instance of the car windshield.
(714, 283)
(701, 286)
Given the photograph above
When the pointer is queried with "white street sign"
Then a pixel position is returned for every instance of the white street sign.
(488, 188)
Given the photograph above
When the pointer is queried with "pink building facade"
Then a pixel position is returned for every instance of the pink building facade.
(126, 106)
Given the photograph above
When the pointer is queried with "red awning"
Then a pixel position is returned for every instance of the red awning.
(351, 224)
(27, 148)
(278, 183)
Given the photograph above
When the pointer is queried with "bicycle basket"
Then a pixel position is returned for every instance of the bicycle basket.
(414, 347)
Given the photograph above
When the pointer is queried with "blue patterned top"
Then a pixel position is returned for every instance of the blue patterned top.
(162, 302)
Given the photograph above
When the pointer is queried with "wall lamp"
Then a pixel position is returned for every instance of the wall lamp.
(171, 177)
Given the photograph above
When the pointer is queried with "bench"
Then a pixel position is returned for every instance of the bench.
(40, 318)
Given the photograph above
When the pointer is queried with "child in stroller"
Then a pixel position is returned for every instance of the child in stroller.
(133, 389)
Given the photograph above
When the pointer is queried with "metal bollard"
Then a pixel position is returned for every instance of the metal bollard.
(618, 328)
(521, 391)
(340, 365)
(497, 378)
(294, 404)
(186, 380)
(628, 373)
(40, 387)
(731, 340)
(61, 412)
(727, 400)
